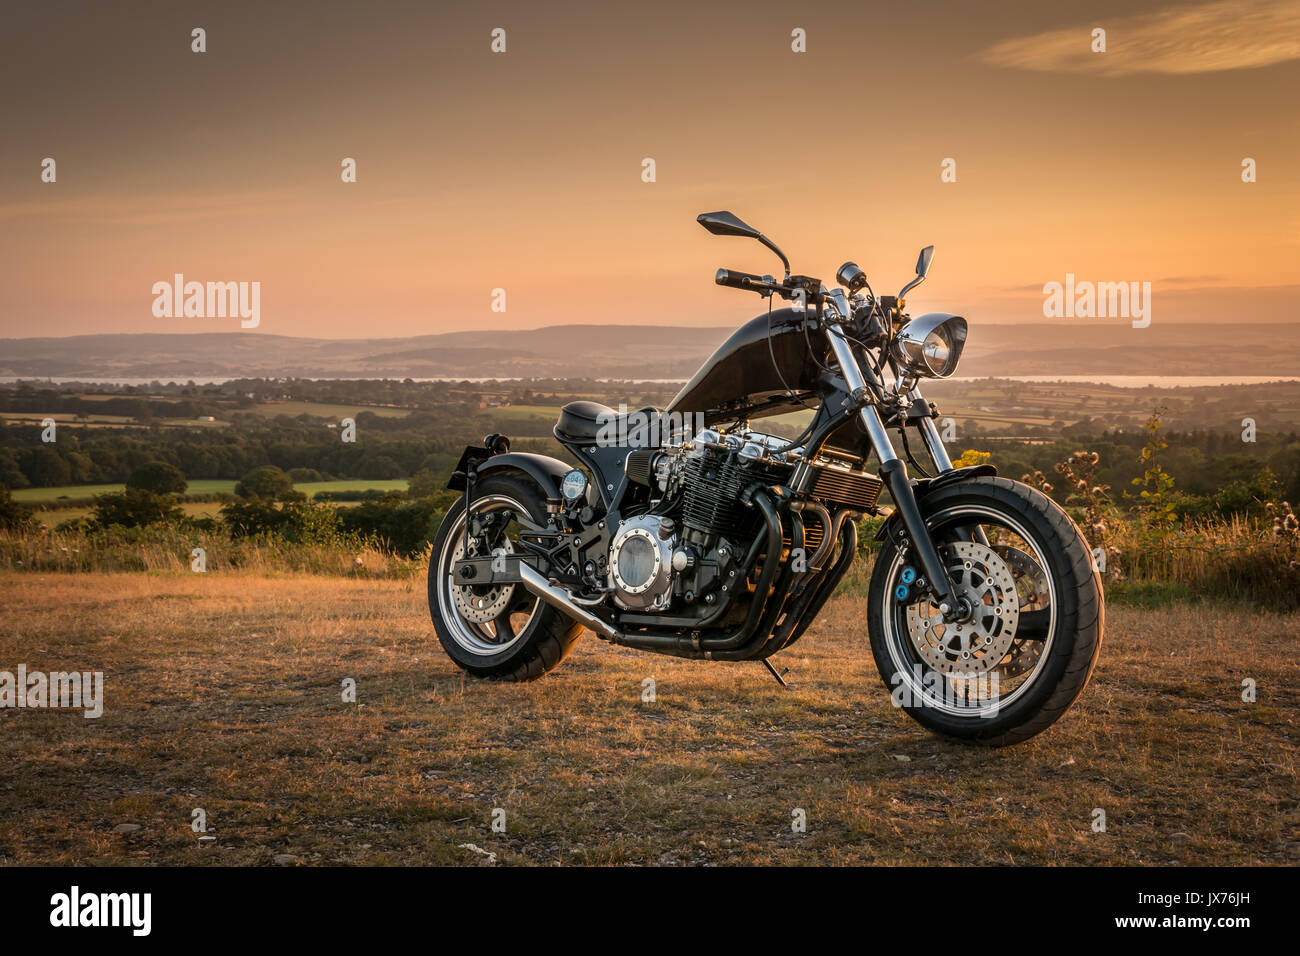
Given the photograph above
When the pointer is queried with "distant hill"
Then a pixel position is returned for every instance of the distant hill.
(632, 351)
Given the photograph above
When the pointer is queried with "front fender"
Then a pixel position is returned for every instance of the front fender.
(924, 486)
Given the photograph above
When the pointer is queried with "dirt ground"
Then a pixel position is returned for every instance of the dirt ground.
(224, 693)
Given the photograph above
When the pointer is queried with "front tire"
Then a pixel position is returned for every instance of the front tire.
(501, 633)
(1044, 648)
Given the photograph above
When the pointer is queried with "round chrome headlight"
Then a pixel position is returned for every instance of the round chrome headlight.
(930, 345)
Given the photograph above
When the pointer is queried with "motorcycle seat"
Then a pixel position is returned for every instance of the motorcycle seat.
(583, 421)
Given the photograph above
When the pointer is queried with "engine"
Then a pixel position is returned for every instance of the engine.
(689, 547)
(641, 562)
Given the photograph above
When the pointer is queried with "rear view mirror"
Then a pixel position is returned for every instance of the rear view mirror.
(923, 261)
(922, 267)
(725, 224)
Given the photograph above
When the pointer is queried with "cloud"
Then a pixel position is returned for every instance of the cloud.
(1201, 38)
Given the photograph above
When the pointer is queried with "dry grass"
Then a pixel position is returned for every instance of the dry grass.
(170, 548)
(223, 692)
(1226, 556)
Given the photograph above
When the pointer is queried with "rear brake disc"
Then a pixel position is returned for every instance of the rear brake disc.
(481, 603)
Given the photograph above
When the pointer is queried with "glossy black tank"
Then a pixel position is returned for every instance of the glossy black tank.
(748, 377)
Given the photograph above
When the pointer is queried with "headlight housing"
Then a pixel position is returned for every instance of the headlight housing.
(930, 346)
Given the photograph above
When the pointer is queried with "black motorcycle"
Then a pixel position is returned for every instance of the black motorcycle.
(686, 532)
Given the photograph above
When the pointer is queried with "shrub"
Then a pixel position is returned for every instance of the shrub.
(355, 494)
(297, 521)
(14, 515)
(158, 477)
(267, 483)
(395, 523)
(134, 508)
(423, 484)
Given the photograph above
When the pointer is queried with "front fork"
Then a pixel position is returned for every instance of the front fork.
(894, 472)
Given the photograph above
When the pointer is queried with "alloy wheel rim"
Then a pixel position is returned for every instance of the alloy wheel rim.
(481, 637)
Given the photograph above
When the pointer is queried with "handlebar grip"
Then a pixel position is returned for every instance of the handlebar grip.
(741, 280)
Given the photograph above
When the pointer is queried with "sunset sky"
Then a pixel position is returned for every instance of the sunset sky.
(522, 170)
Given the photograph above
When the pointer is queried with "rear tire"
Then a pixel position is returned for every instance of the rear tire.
(548, 636)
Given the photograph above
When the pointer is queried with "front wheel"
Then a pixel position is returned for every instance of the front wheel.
(1029, 638)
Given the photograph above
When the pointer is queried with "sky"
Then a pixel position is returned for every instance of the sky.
(523, 170)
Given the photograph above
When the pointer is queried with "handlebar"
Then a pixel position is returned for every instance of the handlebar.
(747, 280)
(808, 287)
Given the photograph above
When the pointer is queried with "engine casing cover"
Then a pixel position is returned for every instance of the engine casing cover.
(641, 563)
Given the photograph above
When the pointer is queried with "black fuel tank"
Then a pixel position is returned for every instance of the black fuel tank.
(749, 377)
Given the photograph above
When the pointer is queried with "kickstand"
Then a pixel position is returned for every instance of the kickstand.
(780, 677)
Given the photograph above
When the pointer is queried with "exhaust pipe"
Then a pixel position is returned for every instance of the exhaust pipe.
(559, 598)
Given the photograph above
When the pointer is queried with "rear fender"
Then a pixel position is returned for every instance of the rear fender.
(546, 472)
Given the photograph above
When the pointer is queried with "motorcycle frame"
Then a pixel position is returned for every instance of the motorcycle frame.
(853, 394)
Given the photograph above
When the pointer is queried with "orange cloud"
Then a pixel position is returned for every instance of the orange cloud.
(1204, 38)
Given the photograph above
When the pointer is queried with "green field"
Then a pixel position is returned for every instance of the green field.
(52, 517)
(385, 484)
(46, 495)
(323, 410)
(63, 418)
(56, 516)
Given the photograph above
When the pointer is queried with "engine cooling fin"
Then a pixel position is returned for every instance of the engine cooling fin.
(842, 486)
(714, 485)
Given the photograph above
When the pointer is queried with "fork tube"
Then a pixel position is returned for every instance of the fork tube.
(934, 445)
(930, 435)
(861, 394)
(894, 472)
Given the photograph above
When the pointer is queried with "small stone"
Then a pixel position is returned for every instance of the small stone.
(284, 859)
(1068, 763)
(125, 828)
(901, 758)
(1181, 837)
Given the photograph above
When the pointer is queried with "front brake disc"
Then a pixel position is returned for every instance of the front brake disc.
(976, 645)
(1031, 585)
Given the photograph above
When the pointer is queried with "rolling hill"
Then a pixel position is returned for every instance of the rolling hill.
(631, 351)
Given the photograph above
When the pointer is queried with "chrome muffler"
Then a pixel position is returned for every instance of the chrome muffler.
(559, 598)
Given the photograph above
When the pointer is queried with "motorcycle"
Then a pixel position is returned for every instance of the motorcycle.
(685, 531)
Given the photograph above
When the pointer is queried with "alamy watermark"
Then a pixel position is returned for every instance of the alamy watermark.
(77, 690)
(645, 429)
(976, 689)
(212, 300)
(130, 910)
(1073, 299)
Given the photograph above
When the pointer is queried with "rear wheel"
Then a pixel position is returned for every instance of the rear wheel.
(497, 631)
(1026, 648)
